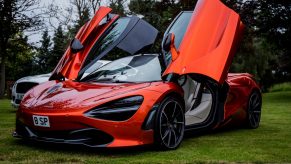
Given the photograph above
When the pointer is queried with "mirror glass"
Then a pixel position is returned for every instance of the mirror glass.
(167, 42)
(76, 45)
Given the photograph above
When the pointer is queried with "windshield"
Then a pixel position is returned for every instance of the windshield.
(112, 34)
(94, 67)
(140, 68)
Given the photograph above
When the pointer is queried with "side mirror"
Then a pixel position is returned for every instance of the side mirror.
(168, 41)
(76, 46)
(169, 45)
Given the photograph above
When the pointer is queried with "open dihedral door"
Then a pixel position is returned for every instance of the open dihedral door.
(70, 64)
(209, 43)
(99, 37)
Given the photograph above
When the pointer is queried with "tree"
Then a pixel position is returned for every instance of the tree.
(159, 13)
(83, 10)
(270, 23)
(20, 59)
(59, 46)
(43, 54)
(246, 59)
(94, 5)
(14, 18)
(117, 6)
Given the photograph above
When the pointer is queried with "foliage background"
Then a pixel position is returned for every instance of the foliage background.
(264, 52)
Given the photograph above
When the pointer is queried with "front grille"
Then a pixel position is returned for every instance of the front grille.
(24, 87)
(17, 101)
(89, 136)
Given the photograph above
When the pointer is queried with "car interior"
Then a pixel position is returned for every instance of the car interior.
(198, 100)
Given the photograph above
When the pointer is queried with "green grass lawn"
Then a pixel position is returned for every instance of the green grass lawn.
(283, 87)
(271, 142)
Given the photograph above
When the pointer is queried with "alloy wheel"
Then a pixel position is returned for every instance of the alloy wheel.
(172, 124)
(254, 109)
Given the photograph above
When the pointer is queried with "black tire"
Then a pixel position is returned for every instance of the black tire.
(254, 110)
(169, 124)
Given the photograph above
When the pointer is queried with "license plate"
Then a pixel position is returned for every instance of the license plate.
(42, 121)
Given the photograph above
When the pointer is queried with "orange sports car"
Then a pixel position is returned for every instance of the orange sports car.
(144, 98)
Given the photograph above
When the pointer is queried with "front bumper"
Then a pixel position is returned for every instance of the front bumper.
(88, 136)
(84, 131)
(135, 131)
(65, 126)
(16, 99)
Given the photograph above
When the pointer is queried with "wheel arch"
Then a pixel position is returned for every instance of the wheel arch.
(176, 95)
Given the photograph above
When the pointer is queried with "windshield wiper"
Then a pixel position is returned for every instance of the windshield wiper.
(91, 76)
(109, 80)
(121, 81)
(100, 80)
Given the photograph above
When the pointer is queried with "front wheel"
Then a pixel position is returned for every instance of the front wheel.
(169, 124)
(254, 110)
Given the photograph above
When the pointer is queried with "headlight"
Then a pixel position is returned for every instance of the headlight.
(118, 110)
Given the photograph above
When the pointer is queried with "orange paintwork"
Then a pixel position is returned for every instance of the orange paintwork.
(240, 87)
(209, 43)
(207, 49)
(70, 64)
(66, 107)
(173, 49)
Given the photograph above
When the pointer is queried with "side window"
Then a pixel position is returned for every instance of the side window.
(178, 27)
(114, 32)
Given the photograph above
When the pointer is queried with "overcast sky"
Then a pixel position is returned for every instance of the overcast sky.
(34, 37)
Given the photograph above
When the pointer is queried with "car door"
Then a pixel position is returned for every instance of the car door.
(70, 63)
(104, 33)
(206, 40)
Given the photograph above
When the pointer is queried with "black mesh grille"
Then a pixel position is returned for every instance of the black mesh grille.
(24, 87)
(89, 136)
(17, 101)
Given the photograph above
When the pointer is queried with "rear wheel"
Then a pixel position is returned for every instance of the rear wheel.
(170, 124)
(254, 110)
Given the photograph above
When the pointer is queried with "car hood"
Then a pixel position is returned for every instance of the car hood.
(69, 95)
(35, 79)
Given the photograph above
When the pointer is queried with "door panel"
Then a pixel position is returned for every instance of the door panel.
(70, 64)
(136, 37)
(130, 34)
(178, 27)
(209, 43)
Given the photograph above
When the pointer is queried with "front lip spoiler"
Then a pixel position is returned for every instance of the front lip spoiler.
(58, 141)
(84, 140)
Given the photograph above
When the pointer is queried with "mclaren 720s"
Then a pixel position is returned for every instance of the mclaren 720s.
(143, 98)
